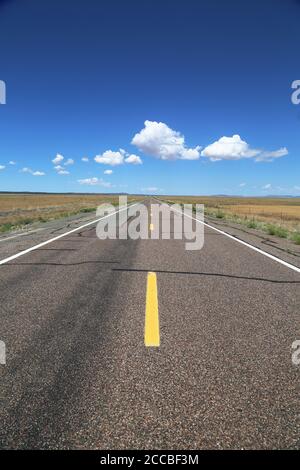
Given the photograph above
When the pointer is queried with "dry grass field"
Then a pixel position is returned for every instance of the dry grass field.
(18, 210)
(276, 216)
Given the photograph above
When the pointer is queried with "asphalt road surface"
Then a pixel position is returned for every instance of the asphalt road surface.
(79, 375)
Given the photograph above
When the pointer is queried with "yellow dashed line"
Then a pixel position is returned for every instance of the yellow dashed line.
(151, 317)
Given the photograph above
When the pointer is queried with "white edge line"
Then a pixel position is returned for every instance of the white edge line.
(21, 234)
(35, 247)
(268, 255)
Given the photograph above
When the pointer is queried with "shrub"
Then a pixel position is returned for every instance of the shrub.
(296, 238)
(26, 221)
(87, 209)
(276, 230)
(220, 214)
(252, 224)
(6, 227)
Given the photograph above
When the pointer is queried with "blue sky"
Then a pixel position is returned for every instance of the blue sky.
(83, 77)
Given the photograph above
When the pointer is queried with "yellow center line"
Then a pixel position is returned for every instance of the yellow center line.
(151, 317)
(151, 227)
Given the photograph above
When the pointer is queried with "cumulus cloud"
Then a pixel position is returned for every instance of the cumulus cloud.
(110, 158)
(267, 186)
(70, 161)
(58, 159)
(32, 172)
(270, 156)
(2, 167)
(134, 159)
(84, 159)
(229, 148)
(160, 141)
(60, 163)
(234, 148)
(95, 182)
(12, 162)
(108, 172)
(151, 189)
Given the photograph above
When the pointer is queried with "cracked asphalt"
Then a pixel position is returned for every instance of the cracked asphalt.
(78, 375)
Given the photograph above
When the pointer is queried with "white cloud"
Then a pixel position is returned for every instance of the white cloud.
(2, 167)
(242, 185)
(269, 156)
(12, 162)
(70, 161)
(134, 159)
(234, 148)
(110, 158)
(59, 168)
(95, 182)
(108, 172)
(33, 173)
(58, 159)
(151, 189)
(84, 159)
(160, 141)
(267, 186)
(229, 148)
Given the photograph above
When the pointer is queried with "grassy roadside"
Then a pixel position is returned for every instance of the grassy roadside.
(271, 227)
(23, 222)
(18, 212)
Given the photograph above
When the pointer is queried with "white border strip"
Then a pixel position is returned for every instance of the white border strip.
(21, 234)
(28, 250)
(258, 250)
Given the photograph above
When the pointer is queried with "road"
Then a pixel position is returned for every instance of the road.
(78, 374)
